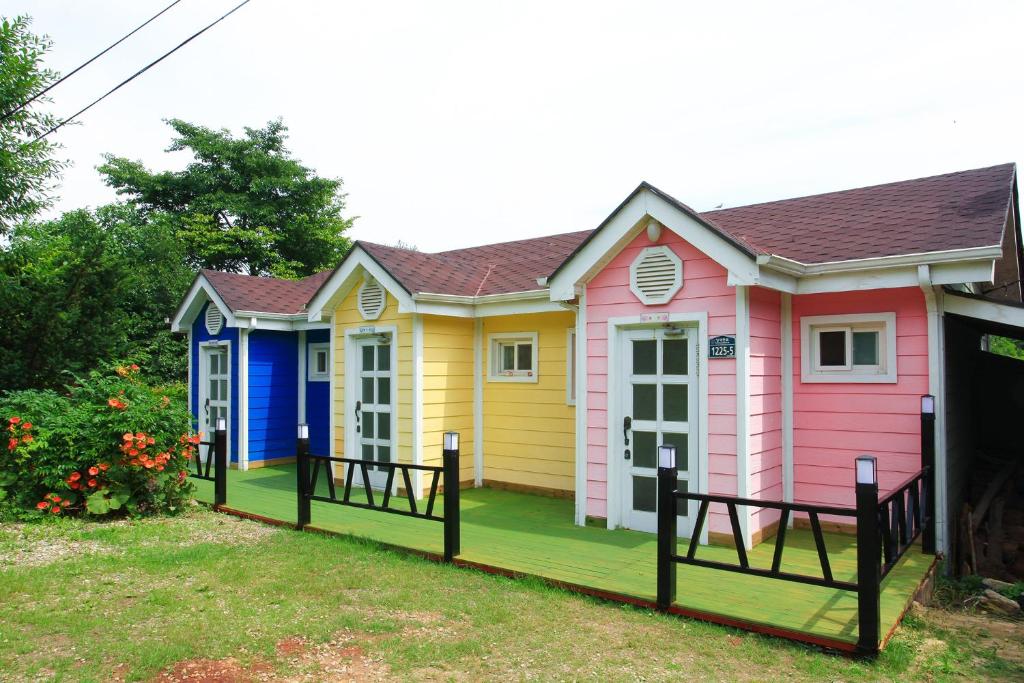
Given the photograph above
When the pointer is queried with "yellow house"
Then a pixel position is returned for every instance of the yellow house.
(467, 341)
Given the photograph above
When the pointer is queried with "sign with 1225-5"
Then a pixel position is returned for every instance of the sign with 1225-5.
(722, 346)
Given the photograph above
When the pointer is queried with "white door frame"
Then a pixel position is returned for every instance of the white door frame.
(352, 386)
(204, 383)
(614, 477)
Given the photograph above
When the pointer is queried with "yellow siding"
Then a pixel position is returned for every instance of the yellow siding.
(347, 317)
(529, 429)
(448, 388)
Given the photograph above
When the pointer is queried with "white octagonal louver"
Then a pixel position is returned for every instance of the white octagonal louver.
(656, 275)
(372, 299)
(214, 319)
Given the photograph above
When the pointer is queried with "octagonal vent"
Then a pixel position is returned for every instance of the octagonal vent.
(372, 299)
(214, 319)
(656, 275)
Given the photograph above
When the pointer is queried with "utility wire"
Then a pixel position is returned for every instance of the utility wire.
(82, 66)
(142, 70)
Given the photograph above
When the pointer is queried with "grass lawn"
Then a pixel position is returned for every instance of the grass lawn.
(212, 597)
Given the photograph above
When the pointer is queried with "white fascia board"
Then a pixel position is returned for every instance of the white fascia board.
(889, 278)
(627, 223)
(983, 310)
(965, 272)
(345, 277)
(791, 267)
(510, 303)
(198, 294)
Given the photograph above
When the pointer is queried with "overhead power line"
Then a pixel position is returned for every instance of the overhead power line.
(85, 64)
(143, 70)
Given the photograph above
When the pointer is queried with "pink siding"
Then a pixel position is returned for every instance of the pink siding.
(704, 290)
(765, 469)
(834, 423)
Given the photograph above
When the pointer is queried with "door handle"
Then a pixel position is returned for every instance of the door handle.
(359, 407)
(627, 424)
(206, 407)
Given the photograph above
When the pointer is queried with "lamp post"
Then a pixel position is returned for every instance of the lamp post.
(452, 524)
(869, 573)
(220, 462)
(667, 484)
(302, 476)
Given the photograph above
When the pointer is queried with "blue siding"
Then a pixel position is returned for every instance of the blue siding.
(318, 403)
(273, 399)
(230, 334)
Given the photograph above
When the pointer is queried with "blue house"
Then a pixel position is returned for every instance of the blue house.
(256, 360)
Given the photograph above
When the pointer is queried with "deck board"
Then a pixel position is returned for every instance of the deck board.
(536, 535)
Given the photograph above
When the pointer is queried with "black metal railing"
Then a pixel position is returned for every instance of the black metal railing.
(903, 517)
(308, 473)
(217, 458)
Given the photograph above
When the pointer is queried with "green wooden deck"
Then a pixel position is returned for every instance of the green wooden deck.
(536, 535)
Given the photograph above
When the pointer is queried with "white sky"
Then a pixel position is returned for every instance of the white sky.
(462, 123)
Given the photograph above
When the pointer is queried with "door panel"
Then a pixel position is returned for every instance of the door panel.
(215, 399)
(375, 410)
(659, 397)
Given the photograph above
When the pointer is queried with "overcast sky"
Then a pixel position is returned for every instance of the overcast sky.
(461, 123)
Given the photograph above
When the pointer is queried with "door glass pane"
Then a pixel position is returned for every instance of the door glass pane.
(674, 402)
(368, 357)
(223, 390)
(832, 348)
(367, 452)
(321, 362)
(213, 390)
(384, 357)
(384, 390)
(524, 353)
(645, 449)
(682, 444)
(368, 425)
(384, 426)
(384, 455)
(673, 357)
(645, 402)
(865, 348)
(645, 494)
(682, 505)
(214, 363)
(367, 390)
(645, 359)
(508, 357)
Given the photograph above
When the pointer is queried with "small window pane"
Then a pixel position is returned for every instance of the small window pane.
(214, 363)
(682, 444)
(367, 390)
(674, 402)
(673, 361)
(367, 451)
(645, 449)
(865, 348)
(645, 360)
(645, 402)
(524, 353)
(213, 390)
(645, 494)
(508, 357)
(384, 426)
(223, 390)
(832, 349)
(321, 362)
(368, 357)
(384, 454)
(384, 357)
(368, 424)
(384, 390)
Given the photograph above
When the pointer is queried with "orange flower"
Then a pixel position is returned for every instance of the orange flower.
(76, 485)
(42, 505)
(116, 403)
(148, 464)
(150, 440)
(159, 468)
(128, 436)
(12, 444)
(93, 471)
(104, 466)
(133, 452)
(27, 426)
(14, 420)
(55, 509)
(75, 476)
(26, 438)
(134, 367)
(122, 371)
(92, 483)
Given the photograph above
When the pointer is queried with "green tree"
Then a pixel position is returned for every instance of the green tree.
(243, 204)
(28, 168)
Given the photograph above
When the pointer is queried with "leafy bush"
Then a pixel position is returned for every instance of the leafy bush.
(110, 445)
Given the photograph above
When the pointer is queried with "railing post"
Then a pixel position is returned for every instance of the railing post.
(452, 524)
(667, 483)
(220, 463)
(929, 478)
(302, 492)
(869, 573)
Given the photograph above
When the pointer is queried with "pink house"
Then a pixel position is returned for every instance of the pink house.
(774, 343)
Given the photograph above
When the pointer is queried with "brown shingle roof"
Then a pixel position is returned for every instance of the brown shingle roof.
(939, 213)
(265, 294)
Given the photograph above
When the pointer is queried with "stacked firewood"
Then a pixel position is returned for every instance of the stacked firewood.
(990, 538)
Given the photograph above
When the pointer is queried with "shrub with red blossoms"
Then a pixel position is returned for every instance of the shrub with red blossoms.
(109, 445)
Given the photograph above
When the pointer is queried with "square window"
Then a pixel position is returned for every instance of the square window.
(832, 348)
(513, 357)
(857, 347)
(865, 348)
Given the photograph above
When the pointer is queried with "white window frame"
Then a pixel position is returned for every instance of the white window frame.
(311, 372)
(882, 373)
(570, 366)
(494, 341)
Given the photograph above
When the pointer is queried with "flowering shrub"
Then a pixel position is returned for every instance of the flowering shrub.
(110, 445)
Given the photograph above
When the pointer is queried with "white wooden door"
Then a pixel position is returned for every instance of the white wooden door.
(373, 415)
(659, 380)
(215, 392)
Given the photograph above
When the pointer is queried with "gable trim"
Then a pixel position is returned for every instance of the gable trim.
(347, 275)
(201, 291)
